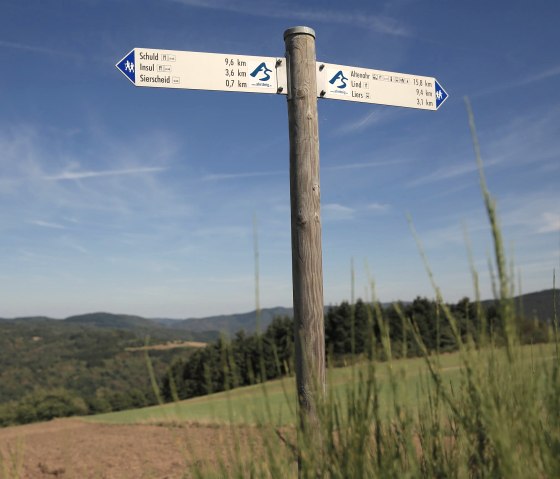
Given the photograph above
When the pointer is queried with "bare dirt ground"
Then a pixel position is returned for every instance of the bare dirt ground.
(75, 449)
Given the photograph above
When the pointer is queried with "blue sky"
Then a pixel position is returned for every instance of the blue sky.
(141, 200)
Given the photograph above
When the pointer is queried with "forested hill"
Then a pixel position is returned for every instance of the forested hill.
(193, 329)
(51, 368)
(136, 325)
(538, 305)
(230, 323)
(142, 327)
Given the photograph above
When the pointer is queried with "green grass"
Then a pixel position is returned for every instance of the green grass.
(274, 402)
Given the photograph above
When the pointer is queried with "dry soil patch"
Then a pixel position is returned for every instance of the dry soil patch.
(75, 449)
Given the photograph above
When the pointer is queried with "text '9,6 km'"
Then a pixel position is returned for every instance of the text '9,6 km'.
(243, 73)
(203, 71)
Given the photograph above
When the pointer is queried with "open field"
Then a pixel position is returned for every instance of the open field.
(274, 402)
(75, 449)
(169, 345)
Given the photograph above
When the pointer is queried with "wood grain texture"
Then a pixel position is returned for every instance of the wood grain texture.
(305, 198)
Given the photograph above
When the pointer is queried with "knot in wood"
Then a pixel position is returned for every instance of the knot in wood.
(301, 92)
(301, 220)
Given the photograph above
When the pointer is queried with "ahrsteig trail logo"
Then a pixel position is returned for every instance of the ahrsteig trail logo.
(261, 74)
(338, 81)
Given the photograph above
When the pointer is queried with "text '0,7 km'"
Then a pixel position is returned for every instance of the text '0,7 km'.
(204, 71)
(146, 67)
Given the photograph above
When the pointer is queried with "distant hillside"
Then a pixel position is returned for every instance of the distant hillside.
(111, 321)
(541, 305)
(230, 323)
(141, 327)
(103, 368)
(538, 305)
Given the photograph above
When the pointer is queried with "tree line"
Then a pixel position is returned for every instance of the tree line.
(351, 331)
(53, 370)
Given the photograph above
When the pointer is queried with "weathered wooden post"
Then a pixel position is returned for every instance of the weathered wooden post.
(307, 271)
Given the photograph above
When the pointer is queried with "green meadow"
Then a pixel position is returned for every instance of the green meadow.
(274, 402)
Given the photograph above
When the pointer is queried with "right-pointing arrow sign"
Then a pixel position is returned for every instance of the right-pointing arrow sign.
(340, 82)
(441, 95)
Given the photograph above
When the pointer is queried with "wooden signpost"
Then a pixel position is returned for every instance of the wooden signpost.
(303, 80)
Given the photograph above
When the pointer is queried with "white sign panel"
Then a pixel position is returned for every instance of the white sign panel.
(147, 67)
(365, 85)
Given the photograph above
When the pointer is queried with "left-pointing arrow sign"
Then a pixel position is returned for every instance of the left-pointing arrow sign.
(147, 67)
(127, 66)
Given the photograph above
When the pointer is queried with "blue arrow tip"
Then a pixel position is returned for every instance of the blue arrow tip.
(127, 66)
(441, 95)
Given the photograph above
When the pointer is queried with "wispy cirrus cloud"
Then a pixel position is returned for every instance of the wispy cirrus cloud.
(36, 49)
(257, 174)
(366, 164)
(378, 207)
(550, 223)
(374, 117)
(238, 176)
(81, 175)
(524, 81)
(531, 213)
(526, 140)
(336, 211)
(378, 23)
(47, 224)
(452, 171)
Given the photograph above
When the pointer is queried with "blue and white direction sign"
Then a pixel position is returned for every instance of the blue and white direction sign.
(147, 67)
(340, 82)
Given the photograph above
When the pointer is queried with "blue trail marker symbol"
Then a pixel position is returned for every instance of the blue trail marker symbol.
(128, 67)
(441, 95)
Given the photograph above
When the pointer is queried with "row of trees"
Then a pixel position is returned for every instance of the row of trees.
(350, 330)
(49, 371)
(224, 364)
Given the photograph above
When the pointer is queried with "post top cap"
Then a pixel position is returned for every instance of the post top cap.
(299, 30)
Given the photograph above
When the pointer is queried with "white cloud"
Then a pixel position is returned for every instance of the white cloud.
(359, 166)
(379, 207)
(81, 175)
(530, 213)
(371, 118)
(378, 23)
(47, 224)
(221, 232)
(336, 211)
(35, 49)
(453, 171)
(551, 223)
(528, 80)
(236, 176)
